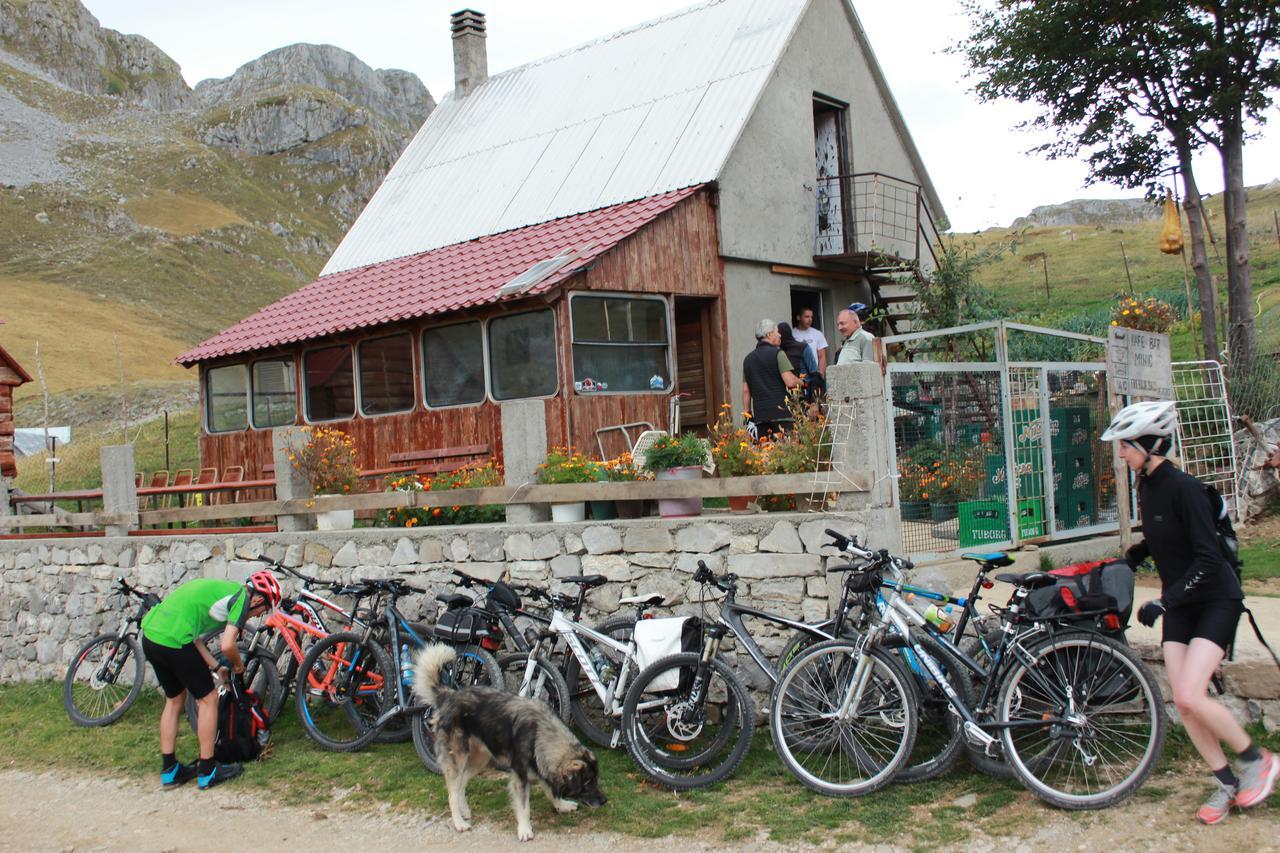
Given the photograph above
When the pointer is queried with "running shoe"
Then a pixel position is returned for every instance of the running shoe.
(1257, 779)
(1218, 806)
(220, 773)
(178, 774)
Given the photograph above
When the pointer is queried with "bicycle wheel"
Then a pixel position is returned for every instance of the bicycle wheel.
(260, 676)
(343, 684)
(992, 765)
(798, 643)
(940, 736)
(473, 667)
(1114, 726)
(547, 684)
(589, 714)
(103, 680)
(837, 753)
(681, 741)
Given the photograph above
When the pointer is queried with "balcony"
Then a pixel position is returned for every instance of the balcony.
(887, 226)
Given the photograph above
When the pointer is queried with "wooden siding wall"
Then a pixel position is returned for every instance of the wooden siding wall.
(8, 461)
(675, 255)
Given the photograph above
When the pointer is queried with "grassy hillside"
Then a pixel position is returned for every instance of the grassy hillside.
(1086, 269)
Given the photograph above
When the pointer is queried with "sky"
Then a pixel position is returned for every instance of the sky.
(973, 152)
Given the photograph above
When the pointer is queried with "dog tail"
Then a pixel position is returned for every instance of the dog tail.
(428, 665)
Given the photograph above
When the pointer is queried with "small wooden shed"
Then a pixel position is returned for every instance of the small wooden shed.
(11, 376)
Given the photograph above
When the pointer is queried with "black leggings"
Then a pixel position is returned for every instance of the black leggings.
(1215, 621)
(179, 669)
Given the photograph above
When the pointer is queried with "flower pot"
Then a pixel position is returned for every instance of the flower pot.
(629, 509)
(942, 512)
(336, 519)
(740, 503)
(915, 510)
(569, 512)
(680, 507)
(603, 510)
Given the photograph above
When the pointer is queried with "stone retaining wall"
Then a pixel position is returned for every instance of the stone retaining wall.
(56, 594)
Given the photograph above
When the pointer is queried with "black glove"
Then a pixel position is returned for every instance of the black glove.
(1150, 612)
(1137, 554)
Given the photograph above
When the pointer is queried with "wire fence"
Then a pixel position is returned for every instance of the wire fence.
(1205, 440)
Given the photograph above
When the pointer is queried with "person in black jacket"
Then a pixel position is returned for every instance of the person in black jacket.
(1200, 601)
(767, 377)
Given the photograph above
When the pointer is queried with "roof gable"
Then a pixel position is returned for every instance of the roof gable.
(449, 278)
(638, 113)
(20, 376)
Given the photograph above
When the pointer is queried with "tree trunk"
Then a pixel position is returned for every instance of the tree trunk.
(1199, 257)
(1241, 337)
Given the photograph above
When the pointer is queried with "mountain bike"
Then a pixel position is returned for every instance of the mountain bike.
(106, 675)
(1079, 716)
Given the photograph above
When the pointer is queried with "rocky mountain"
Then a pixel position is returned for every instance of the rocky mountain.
(156, 214)
(1090, 211)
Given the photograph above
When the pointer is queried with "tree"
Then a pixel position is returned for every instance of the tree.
(1134, 82)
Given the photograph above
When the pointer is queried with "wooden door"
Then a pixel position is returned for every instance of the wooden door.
(694, 364)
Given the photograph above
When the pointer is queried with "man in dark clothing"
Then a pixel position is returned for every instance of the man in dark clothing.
(766, 378)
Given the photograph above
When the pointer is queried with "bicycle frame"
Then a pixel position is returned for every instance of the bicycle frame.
(731, 614)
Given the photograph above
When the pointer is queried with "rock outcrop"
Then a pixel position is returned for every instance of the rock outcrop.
(1090, 211)
(65, 39)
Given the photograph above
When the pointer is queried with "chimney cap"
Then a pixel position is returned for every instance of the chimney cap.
(467, 20)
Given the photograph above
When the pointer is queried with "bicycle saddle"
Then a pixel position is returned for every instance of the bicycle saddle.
(1031, 580)
(997, 559)
(587, 580)
(454, 599)
(652, 599)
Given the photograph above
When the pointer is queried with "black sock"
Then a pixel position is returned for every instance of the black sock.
(1251, 754)
(1226, 777)
(167, 760)
(207, 765)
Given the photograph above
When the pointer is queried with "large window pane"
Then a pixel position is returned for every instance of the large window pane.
(227, 398)
(386, 375)
(522, 354)
(275, 398)
(621, 342)
(331, 386)
(453, 364)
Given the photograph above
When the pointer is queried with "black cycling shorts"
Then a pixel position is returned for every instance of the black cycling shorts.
(179, 669)
(1213, 620)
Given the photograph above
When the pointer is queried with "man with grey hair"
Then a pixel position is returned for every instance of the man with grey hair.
(766, 378)
(859, 344)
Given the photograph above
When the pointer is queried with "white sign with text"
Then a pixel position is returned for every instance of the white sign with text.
(1138, 364)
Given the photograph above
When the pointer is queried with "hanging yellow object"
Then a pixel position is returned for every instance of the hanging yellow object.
(1171, 233)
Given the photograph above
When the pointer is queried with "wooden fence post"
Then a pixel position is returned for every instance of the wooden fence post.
(119, 487)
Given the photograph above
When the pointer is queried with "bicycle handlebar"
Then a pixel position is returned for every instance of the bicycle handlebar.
(725, 582)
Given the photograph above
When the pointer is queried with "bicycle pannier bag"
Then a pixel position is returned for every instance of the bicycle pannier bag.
(659, 638)
(243, 729)
(463, 625)
(1088, 588)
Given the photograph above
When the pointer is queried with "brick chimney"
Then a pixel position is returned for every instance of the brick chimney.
(470, 62)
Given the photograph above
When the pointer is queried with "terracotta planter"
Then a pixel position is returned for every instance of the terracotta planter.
(741, 503)
(680, 507)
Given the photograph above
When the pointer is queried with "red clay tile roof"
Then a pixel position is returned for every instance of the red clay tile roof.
(445, 279)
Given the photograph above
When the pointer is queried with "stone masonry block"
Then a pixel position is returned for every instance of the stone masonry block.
(775, 565)
(652, 560)
(783, 539)
(566, 565)
(485, 547)
(347, 556)
(518, 546)
(702, 537)
(647, 538)
(430, 551)
(613, 566)
(601, 539)
(546, 546)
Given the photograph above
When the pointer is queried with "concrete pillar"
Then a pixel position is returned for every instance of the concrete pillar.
(855, 396)
(5, 492)
(524, 448)
(119, 486)
(289, 483)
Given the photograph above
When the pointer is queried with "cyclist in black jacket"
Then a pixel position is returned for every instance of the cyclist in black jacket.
(1200, 600)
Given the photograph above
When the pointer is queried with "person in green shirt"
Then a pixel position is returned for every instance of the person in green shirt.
(171, 634)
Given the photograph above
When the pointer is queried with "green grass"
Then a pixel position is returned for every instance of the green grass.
(762, 800)
(1261, 558)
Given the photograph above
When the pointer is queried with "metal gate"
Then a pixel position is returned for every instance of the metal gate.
(1206, 442)
(971, 404)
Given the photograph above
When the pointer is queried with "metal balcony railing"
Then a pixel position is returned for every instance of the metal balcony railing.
(876, 220)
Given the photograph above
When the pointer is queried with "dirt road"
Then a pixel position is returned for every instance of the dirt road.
(57, 811)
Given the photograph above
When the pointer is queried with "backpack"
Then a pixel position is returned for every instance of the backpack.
(1099, 591)
(1229, 543)
(243, 727)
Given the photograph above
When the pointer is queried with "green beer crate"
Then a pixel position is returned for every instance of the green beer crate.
(1074, 509)
(988, 521)
(1073, 470)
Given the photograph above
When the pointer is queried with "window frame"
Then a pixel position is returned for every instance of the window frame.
(488, 376)
(484, 364)
(413, 369)
(207, 420)
(306, 388)
(294, 367)
(670, 342)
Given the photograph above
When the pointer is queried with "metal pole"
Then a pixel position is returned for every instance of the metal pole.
(1125, 255)
(166, 440)
(1010, 459)
(1044, 262)
(1275, 217)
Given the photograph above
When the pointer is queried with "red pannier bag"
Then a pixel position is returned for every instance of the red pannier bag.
(1099, 592)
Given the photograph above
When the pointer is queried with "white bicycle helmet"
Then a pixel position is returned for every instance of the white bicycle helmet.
(1158, 418)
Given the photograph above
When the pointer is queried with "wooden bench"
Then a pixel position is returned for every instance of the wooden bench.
(436, 461)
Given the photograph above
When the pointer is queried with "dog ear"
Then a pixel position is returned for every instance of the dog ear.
(577, 765)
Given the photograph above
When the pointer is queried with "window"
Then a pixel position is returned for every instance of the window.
(621, 342)
(331, 387)
(275, 399)
(522, 355)
(453, 365)
(227, 398)
(386, 375)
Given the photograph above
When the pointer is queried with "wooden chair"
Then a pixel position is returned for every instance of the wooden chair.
(159, 480)
(231, 474)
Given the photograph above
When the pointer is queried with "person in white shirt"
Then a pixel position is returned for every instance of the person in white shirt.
(803, 330)
(859, 344)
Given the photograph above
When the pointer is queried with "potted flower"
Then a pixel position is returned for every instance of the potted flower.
(623, 470)
(564, 466)
(476, 476)
(735, 453)
(677, 458)
(805, 449)
(328, 460)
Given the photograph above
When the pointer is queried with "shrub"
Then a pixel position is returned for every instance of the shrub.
(734, 451)
(328, 461)
(565, 466)
(1147, 315)
(684, 451)
(471, 477)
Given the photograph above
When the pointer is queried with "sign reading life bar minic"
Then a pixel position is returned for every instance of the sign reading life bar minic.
(1138, 364)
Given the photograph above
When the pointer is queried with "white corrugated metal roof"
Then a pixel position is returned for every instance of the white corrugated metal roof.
(653, 108)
